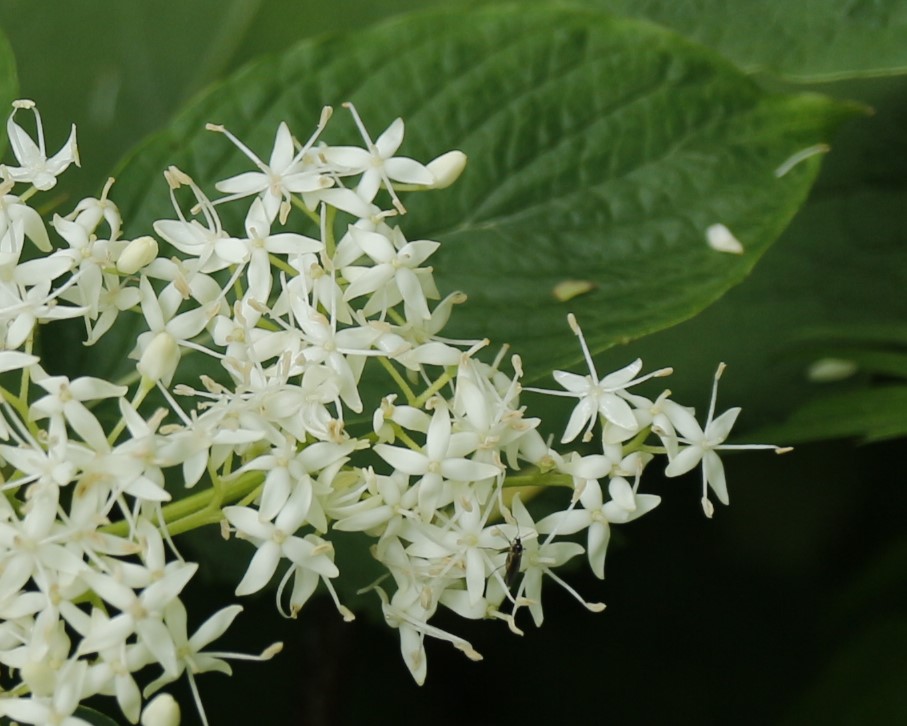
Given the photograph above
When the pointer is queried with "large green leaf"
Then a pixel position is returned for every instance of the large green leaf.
(832, 286)
(805, 41)
(601, 149)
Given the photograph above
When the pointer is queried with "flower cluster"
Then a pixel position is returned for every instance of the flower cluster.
(332, 403)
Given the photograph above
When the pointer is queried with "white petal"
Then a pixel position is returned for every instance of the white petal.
(685, 461)
(713, 471)
(721, 427)
(599, 536)
(261, 569)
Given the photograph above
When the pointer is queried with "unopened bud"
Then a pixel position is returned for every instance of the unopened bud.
(160, 359)
(446, 169)
(163, 710)
(138, 253)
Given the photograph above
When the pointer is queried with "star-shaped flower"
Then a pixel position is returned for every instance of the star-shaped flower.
(34, 166)
(702, 443)
(598, 396)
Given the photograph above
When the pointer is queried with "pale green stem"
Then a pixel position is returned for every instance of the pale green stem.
(538, 479)
(400, 381)
(442, 381)
(300, 205)
(201, 508)
(26, 376)
(282, 265)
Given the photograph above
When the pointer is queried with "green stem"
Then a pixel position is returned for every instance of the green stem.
(442, 381)
(400, 381)
(282, 265)
(201, 508)
(538, 479)
(300, 205)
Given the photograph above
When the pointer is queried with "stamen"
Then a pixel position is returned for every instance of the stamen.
(221, 129)
(574, 326)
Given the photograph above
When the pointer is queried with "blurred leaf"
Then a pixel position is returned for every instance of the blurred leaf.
(9, 86)
(871, 407)
(809, 41)
(600, 149)
(875, 414)
(137, 62)
(863, 682)
(8, 83)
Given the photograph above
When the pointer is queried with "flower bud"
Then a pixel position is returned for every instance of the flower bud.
(138, 253)
(163, 710)
(447, 168)
(160, 358)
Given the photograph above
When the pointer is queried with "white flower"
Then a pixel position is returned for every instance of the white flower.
(140, 613)
(158, 348)
(396, 275)
(283, 175)
(311, 558)
(21, 221)
(442, 458)
(702, 444)
(255, 250)
(35, 167)
(21, 310)
(289, 468)
(35, 547)
(58, 706)
(407, 612)
(377, 162)
(90, 211)
(597, 396)
(65, 402)
(597, 515)
(538, 560)
(191, 658)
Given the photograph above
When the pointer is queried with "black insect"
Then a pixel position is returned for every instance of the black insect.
(514, 559)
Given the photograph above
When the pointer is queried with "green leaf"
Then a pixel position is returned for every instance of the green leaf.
(874, 414)
(841, 265)
(600, 150)
(863, 681)
(838, 274)
(801, 41)
(9, 84)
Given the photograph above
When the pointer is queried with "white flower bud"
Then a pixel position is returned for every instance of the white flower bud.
(447, 168)
(138, 253)
(162, 710)
(160, 359)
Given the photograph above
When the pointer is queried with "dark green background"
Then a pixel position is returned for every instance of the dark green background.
(789, 607)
